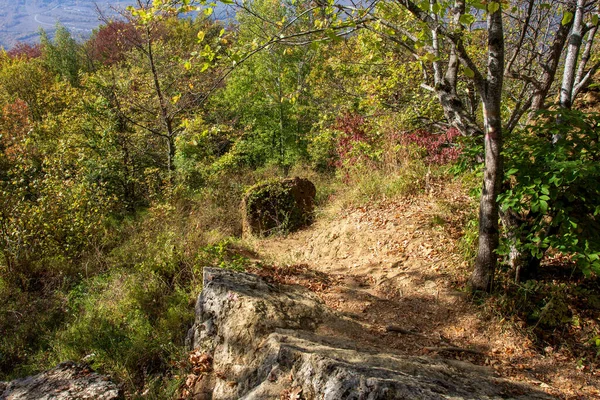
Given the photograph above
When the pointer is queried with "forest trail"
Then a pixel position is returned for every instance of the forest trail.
(395, 267)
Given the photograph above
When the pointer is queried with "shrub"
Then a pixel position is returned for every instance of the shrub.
(131, 325)
(224, 254)
(27, 320)
(553, 187)
(354, 145)
(437, 148)
(322, 151)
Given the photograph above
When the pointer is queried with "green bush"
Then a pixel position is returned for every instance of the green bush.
(130, 325)
(198, 148)
(554, 187)
(322, 150)
(27, 321)
(224, 254)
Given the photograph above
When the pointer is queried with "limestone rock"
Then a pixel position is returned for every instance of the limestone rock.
(67, 381)
(265, 343)
(281, 205)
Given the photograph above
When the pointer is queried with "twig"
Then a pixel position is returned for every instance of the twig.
(396, 328)
(453, 349)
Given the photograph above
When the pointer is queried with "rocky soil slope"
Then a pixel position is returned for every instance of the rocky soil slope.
(401, 263)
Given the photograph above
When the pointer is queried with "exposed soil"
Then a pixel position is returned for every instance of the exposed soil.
(396, 269)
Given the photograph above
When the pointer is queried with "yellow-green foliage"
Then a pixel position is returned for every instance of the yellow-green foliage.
(378, 184)
(26, 321)
(129, 324)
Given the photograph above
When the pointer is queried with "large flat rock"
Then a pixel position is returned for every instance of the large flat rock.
(264, 345)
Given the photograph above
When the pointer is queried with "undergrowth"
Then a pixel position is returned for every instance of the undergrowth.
(127, 308)
(559, 311)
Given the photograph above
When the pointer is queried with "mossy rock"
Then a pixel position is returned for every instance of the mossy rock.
(278, 206)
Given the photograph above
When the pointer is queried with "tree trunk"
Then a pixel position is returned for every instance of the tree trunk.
(566, 89)
(171, 156)
(455, 112)
(582, 79)
(541, 91)
(485, 265)
(445, 84)
(166, 119)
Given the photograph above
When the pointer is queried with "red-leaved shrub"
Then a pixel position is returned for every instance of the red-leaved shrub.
(112, 41)
(353, 133)
(25, 50)
(440, 148)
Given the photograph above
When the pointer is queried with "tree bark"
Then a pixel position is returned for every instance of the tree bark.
(543, 87)
(575, 40)
(454, 109)
(455, 112)
(162, 103)
(582, 79)
(485, 265)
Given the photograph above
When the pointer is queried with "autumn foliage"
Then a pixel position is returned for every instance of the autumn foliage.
(15, 124)
(440, 148)
(352, 136)
(110, 43)
(25, 50)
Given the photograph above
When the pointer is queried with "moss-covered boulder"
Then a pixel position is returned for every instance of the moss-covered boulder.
(278, 206)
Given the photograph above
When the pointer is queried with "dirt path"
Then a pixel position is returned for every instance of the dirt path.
(395, 268)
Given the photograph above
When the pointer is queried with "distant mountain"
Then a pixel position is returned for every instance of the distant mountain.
(20, 20)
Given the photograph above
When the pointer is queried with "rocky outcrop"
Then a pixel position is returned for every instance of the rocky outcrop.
(68, 381)
(267, 341)
(278, 206)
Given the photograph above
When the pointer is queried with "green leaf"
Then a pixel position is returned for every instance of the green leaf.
(511, 171)
(568, 17)
(430, 57)
(595, 19)
(467, 19)
(479, 5)
(469, 73)
(208, 11)
(493, 7)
